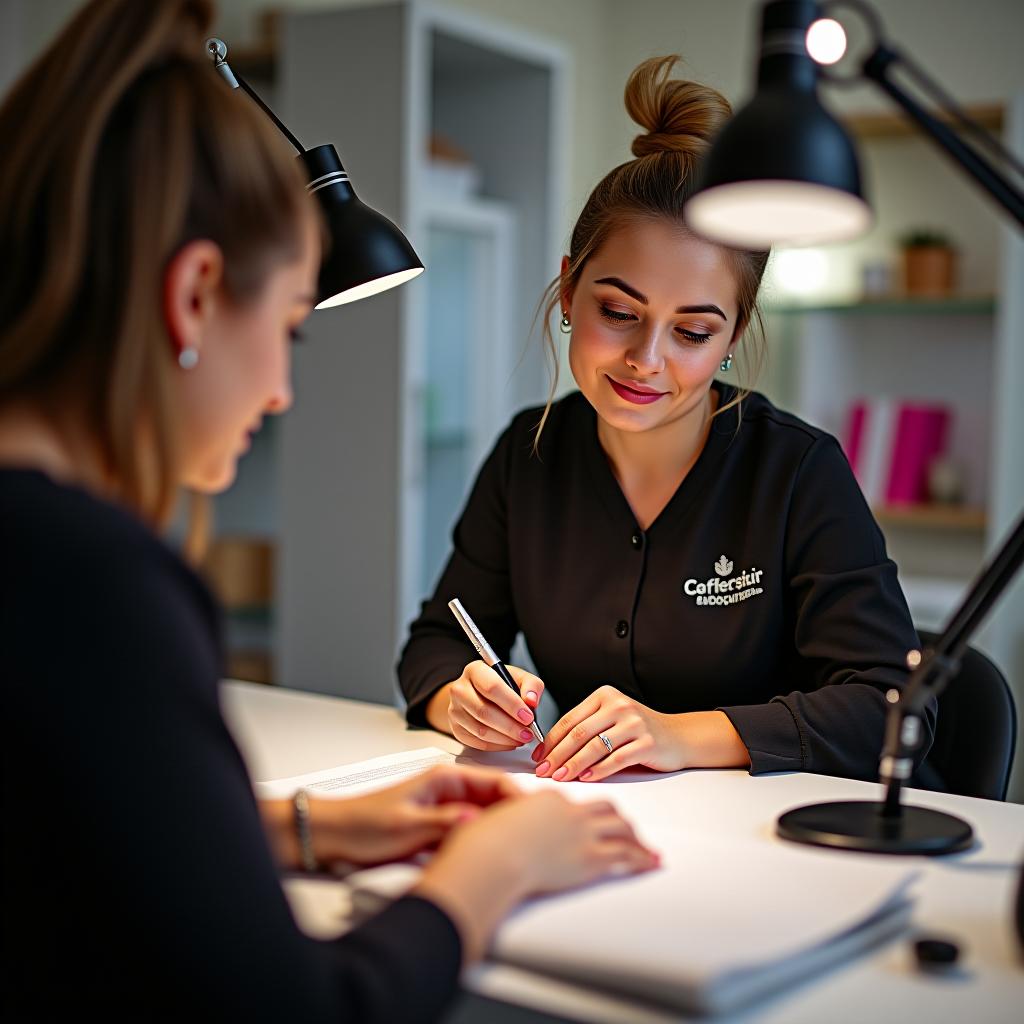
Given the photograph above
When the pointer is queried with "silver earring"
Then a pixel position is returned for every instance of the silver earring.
(564, 326)
(726, 363)
(188, 357)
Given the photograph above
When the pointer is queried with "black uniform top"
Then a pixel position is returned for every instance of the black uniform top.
(763, 587)
(137, 877)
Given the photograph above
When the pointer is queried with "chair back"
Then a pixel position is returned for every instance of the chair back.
(976, 729)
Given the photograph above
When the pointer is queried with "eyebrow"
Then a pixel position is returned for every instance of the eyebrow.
(617, 282)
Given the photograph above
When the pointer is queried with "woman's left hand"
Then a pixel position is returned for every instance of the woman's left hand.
(573, 748)
(403, 819)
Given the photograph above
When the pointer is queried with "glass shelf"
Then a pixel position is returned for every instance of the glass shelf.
(972, 305)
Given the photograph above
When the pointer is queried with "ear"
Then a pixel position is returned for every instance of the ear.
(565, 296)
(192, 288)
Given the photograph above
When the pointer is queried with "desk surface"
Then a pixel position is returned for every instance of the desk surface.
(967, 897)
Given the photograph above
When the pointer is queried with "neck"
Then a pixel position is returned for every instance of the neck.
(664, 454)
(30, 438)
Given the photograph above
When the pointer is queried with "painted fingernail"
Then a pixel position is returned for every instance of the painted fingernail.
(543, 768)
(586, 775)
(560, 774)
(525, 715)
(525, 735)
(538, 752)
(531, 696)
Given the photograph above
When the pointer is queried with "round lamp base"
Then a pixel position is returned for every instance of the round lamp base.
(859, 825)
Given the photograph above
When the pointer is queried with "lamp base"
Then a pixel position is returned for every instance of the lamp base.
(859, 825)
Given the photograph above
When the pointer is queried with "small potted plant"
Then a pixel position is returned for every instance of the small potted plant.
(929, 264)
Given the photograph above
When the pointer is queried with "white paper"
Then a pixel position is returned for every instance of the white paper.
(362, 777)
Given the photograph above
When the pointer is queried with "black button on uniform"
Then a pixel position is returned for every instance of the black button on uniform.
(637, 540)
(622, 628)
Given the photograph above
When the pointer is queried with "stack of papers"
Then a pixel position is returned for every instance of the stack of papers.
(709, 932)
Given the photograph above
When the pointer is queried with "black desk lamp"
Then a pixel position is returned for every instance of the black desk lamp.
(784, 171)
(368, 253)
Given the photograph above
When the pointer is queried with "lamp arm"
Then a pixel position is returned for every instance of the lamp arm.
(878, 67)
(218, 52)
(903, 727)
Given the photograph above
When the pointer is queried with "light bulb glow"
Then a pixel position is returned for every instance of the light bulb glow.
(362, 291)
(799, 271)
(760, 214)
(826, 41)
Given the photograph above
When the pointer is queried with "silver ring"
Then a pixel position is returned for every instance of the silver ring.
(604, 739)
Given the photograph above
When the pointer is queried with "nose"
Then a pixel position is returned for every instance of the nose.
(281, 400)
(646, 357)
(282, 396)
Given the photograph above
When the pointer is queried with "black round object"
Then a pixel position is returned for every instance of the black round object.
(859, 825)
(936, 953)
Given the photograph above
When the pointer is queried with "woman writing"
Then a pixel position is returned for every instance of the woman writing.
(695, 572)
(163, 252)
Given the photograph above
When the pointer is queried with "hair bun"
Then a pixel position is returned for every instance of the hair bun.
(679, 116)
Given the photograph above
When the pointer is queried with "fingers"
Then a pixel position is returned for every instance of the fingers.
(564, 726)
(622, 857)
(466, 785)
(483, 711)
(492, 689)
(582, 748)
(531, 687)
(468, 728)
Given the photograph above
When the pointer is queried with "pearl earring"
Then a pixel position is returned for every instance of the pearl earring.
(564, 326)
(726, 363)
(188, 357)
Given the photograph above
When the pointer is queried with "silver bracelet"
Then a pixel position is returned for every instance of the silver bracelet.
(301, 804)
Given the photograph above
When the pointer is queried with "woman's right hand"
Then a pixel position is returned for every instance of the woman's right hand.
(526, 846)
(480, 711)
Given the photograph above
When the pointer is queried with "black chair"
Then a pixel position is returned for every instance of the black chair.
(975, 733)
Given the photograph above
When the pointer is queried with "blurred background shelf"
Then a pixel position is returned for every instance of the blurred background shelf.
(934, 516)
(972, 305)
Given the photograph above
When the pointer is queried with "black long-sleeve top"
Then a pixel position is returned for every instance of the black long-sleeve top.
(137, 877)
(762, 589)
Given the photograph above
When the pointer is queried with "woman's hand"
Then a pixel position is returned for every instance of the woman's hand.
(480, 711)
(524, 847)
(573, 748)
(394, 823)
(390, 824)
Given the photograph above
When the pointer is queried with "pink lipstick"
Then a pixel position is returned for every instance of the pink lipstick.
(638, 396)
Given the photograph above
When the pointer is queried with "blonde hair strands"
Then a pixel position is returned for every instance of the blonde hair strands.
(122, 146)
(679, 119)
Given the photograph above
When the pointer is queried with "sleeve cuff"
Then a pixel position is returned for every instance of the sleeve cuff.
(770, 735)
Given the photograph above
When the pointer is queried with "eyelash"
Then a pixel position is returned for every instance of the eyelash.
(615, 317)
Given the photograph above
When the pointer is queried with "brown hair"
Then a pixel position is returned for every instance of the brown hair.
(680, 119)
(122, 144)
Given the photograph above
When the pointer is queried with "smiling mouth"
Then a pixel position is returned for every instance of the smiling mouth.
(634, 395)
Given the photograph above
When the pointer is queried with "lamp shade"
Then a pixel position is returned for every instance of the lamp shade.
(367, 253)
(783, 171)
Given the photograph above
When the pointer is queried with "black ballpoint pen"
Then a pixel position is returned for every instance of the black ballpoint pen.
(486, 652)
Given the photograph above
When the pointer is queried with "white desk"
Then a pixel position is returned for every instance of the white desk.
(967, 897)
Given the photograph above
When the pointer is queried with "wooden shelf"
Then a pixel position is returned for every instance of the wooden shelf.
(892, 126)
(969, 518)
(963, 305)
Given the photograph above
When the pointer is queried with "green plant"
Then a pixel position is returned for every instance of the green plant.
(920, 238)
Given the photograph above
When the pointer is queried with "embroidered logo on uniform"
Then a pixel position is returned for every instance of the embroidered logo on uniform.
(722, 589)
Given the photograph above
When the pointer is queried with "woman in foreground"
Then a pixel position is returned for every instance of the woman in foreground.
(164, 252)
